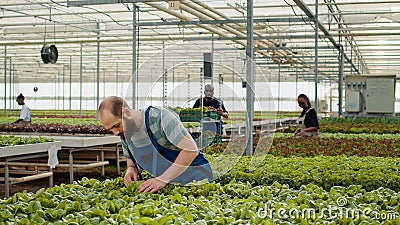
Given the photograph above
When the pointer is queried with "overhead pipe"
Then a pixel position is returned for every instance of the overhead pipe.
(128, 39)
(228, 27)
(310, 15)
(222, 22)
(183, 17)
(212, 9)
(354, 46)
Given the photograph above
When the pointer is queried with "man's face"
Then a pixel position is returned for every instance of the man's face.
(209, 92)
(112, 123)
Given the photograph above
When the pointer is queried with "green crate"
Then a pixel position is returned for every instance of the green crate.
(193, 116)
(213, 115)
(196, 116)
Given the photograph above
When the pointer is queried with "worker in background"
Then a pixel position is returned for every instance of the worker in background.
(212, 102)
(156, 141)
(25, 114)
(308, 120)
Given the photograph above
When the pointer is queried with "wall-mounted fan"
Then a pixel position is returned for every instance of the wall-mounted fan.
(49, 54)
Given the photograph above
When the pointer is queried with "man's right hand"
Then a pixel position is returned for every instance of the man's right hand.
(130, 173)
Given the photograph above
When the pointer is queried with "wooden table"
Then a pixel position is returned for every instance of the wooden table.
(11, 154)
(74, 144)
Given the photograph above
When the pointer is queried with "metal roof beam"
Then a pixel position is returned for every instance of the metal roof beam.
(100, 2)
(221, 22)
(321, 27)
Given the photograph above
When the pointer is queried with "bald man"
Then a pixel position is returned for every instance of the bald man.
(212, 102)
(156, 141)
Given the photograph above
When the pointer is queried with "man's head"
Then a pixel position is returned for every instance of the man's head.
(110, 114)
(209, 91)
(21, 99)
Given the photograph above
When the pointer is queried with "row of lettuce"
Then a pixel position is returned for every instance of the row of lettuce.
(91, 125)
(282, 190)
(335, 179)
(11, 140)
(284, 144)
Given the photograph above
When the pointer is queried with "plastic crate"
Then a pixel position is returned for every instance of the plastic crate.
(213, 115)
(196, 116)
(193, 116)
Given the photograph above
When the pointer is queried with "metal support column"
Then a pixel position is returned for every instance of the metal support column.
(134, 62)
(330, 96)
(5, 80)
(188, 90)
(173, 85)
(279, 90)
(80, 83)
(98, 65)
(6, 179)
(71, 167)
(233, 85)
(212, 59)
(340, 84)
(250, 79)
(116, 82)
(70, 83)
(316, 24)
(63, 88)
(297, 84)
(12, 84)
(10, 93)
(118, 160)
(164, 77)
(102, 159)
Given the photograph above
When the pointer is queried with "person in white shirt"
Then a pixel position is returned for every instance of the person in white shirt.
(25, 114)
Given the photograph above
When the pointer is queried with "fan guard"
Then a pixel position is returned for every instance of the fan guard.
(49, 54)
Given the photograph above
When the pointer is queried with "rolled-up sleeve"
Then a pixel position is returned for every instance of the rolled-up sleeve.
(172, 127)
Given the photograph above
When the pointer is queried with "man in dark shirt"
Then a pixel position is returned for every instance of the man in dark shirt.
(212, 102)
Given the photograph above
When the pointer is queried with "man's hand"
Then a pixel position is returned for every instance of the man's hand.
(130, 173)
(152, 185)
(222, 113)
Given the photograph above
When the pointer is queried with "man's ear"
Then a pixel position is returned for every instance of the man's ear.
(126, 112)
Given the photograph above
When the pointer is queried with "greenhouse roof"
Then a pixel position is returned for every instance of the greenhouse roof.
(96, 39)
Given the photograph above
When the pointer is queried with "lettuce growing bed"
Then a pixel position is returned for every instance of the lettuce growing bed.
(93, 202)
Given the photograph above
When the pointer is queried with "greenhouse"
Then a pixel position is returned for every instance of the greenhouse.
(199, 112)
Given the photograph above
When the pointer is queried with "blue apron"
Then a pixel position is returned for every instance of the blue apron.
(155, 159)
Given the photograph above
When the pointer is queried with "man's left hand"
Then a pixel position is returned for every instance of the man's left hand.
(222, 113)
(152, 185)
